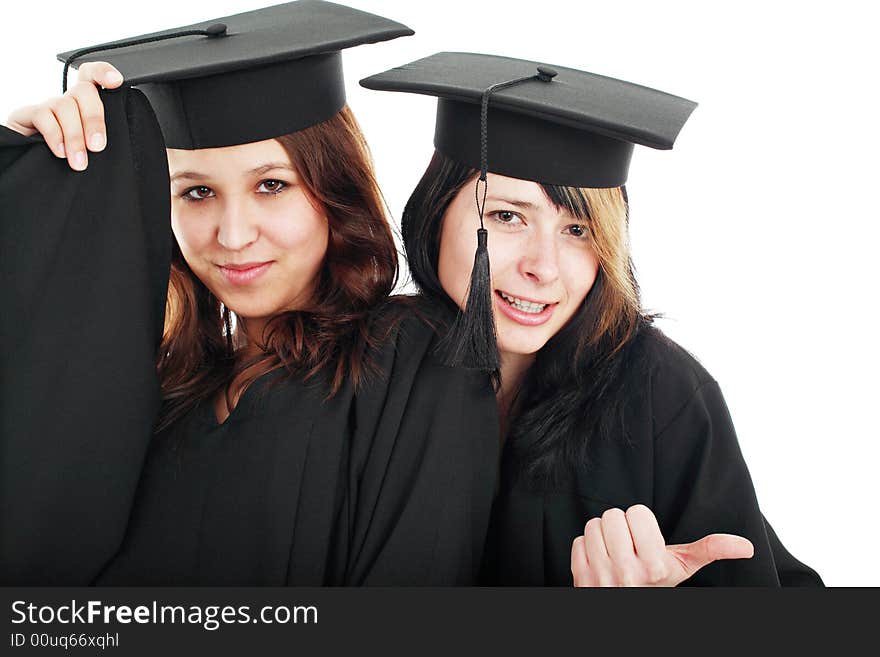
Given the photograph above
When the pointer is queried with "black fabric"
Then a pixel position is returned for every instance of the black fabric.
(577, 129)
(391, 485)
(274, 71)
(521, 147)
(205, 113)
(680, 457)
(84, 260)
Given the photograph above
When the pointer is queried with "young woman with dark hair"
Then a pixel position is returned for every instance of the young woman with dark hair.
(620, 462)
(339, 274)
(306, 435)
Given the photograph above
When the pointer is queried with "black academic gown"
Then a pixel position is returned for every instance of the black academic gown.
(680, 458)
(84, 260)
(389, 484)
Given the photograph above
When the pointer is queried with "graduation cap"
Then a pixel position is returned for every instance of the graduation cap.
(523, 119)
(244, 78)
(552, 125)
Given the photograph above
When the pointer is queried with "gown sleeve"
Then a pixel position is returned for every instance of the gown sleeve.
(702, 486)
(84, 258)
(423, 469)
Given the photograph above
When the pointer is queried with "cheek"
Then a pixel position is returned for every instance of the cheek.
(505, 251)
(456, 259)
(580, 271)
(295, 227)
(194, 233)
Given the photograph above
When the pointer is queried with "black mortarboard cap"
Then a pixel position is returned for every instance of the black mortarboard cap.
(247, 77)
(562, 126)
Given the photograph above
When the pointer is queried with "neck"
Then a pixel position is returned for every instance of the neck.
(252, 332)
(514, 368)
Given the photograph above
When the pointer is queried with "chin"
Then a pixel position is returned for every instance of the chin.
(523, 345)
(251, 310)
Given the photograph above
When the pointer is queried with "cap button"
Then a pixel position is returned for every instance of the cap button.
(217, 29)
(546, 73)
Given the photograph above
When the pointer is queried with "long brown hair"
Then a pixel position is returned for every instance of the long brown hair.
(332, 336)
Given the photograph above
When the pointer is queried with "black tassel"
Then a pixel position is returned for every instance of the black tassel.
(216, 30)
(471, 341)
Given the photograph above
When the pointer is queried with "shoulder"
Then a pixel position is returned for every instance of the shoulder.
(404, 332)
(665, 375)
(407, 369)
(407, 318)
(666, 360)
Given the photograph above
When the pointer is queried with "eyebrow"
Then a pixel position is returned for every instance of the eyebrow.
(525, 205)
(528, 205)
(263, 168)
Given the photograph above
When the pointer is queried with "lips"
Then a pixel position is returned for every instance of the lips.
(528, 312)
(244, 266)
(523, 303)
(243, 273)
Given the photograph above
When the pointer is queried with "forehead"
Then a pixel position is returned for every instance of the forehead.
(522, 193)
(227, 160)
(525, 190)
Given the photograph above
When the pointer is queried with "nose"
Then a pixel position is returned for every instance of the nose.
(236, 226)
(540, 259)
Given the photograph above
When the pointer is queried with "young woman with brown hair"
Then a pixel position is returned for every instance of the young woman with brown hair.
(301, 438)
(620, 461)
(337, 274)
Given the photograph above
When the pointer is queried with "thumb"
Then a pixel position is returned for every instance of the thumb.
(100, 73)
(693, 556)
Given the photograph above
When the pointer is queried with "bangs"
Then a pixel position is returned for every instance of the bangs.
(571, 199)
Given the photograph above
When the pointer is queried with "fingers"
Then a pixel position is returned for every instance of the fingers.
(90, 106)
(696, 555)
(628, 549)
(67, 114)
(73, 124)
(601, 568)
(100, 73)
(731, 546)
(621, 549)
(22, 120)
(580, 570)
(604, 555)
(618, 542)
(91, 111)
(649, 544)
(716, 546)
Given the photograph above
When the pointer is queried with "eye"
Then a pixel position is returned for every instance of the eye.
(199, 193)
(577, 230)
(271, 186)
(506, 217)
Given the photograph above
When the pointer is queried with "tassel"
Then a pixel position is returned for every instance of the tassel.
(216, 30)
(471, 341)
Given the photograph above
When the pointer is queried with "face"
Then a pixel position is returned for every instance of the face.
(542, 261)
(247, 227)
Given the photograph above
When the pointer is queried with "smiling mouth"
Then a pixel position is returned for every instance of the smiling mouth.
(523, 305)
(245, 273)
(244, 266)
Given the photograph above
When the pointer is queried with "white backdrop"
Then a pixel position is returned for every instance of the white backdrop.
(754, 236)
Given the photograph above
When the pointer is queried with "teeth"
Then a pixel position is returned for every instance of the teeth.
(525, 306)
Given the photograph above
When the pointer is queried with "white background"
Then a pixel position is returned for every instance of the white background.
(756, 236)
